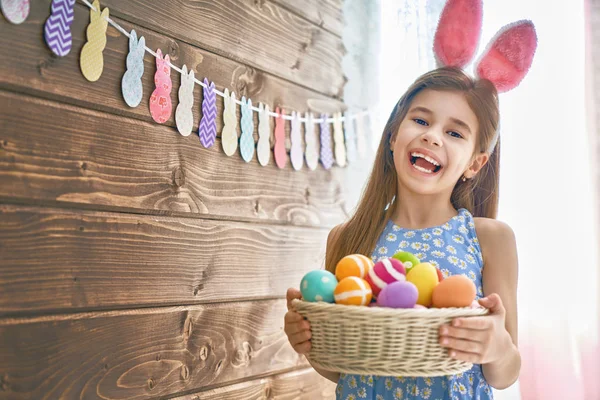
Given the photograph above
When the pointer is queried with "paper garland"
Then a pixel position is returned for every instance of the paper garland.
(92, 60)
(15, 11)
(338, 140)
(311, 152)
(263, 148)
(57, 29)
(346, 139)
(184, 118)
(131, 84)
(279, 149)
(208, 124)
(160, 100)
(247, 124)
(229, 137)
(296, 153)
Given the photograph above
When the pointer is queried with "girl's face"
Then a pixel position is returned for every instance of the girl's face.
(435, 143)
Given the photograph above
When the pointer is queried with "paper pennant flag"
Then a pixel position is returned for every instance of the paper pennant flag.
(208, 124)
(184, 118)
(311, 152)
(57, 29)
(350, 137)
(361, 140)
(92, 60)
(247, 124)
(229, 136)
(326, 152)
(15, 11)
(131, 84)
(263, 148)
(160, 100)
(338, 140)
(296, 153)
(280, 153)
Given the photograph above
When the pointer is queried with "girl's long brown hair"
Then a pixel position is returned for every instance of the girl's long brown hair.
(478, 195)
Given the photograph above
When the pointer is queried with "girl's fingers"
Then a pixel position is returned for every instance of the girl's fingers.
(465, 356)
(478, 323)
(299, 338)
(462, 333)
(302, 348)
(461, 345)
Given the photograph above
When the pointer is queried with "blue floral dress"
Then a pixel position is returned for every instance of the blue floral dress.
(453, 248)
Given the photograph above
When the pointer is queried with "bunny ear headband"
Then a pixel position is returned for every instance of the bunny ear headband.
(507, 58)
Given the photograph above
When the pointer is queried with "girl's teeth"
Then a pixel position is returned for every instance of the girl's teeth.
(431, 160)
(422, 169)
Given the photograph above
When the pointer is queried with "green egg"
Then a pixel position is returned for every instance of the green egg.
(409, 260)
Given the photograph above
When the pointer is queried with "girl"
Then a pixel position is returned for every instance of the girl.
(433, 191)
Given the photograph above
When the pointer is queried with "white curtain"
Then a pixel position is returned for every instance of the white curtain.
(546, 189)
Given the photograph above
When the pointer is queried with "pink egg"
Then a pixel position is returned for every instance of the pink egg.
(419, 306)
(401, 294)
(385, 271)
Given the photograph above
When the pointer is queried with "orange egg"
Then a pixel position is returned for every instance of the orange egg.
(454, 291)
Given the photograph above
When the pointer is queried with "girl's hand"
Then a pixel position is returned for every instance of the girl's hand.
(478, 340)
(296, 327)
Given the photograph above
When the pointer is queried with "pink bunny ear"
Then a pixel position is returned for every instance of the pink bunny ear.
(159, 58)
(167, 63)
(509, 56)
(458, 32)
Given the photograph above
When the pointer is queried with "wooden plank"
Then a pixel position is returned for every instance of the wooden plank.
(261, 34)
(304, 384)
(31, 68)
(53, 152)
(143, 353)
(92, 260)
(324, 13)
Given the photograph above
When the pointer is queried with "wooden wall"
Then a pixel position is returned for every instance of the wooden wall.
(134, 263)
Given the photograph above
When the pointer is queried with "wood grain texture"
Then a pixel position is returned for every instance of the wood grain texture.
(53, 259)
(304, 384)
(324, 13)
(53, 152)
(144, 353)
(31, 68)
(259, 33)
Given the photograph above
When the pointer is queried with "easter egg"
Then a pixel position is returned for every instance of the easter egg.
(401, 294)
(407, 259)
(385, 271)
(439, 274)
(420, 306)
(318, 285)
(353, 265)
(353, 291)
(454, 291)
(425, 278)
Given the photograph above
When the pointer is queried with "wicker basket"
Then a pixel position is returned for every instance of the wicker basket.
(381, 341)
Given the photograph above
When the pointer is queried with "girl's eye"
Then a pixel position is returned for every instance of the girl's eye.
(420, 121)
(455, 134)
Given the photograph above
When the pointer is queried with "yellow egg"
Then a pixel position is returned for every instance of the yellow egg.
(454, 291)
(424, 276)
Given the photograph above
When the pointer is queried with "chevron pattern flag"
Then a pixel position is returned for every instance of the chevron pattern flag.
(208, 124)
(326, 152)
(57, 30)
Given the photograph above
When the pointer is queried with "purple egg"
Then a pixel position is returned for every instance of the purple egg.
(401, 294)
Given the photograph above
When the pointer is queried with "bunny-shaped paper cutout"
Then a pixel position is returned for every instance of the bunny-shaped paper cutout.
(160, 100)
(229, 136)
(361, 140)
(350, 137)
(508, 56)
(184, 118)
(15, 11)
(92, 60)
(311, 152)
(338, 140)
(57, 29)
(326, 152)
(131, 84)
(208, 124)
(263, 148)
(279, 150)
(296, 153)
(247, 137)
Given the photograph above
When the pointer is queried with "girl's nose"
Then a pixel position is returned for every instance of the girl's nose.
(432, 137)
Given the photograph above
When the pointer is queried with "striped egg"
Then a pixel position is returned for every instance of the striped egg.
(353, 265)
(385, 271)
(353, 291)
